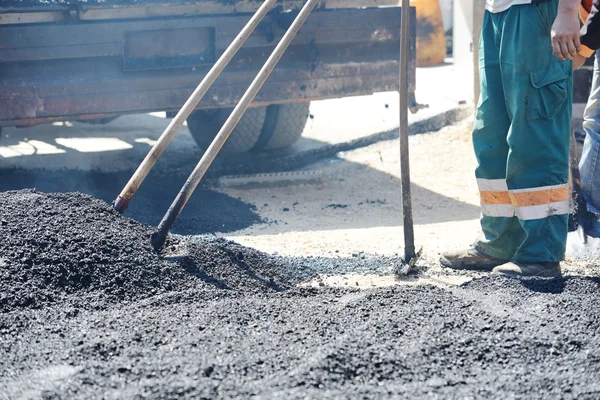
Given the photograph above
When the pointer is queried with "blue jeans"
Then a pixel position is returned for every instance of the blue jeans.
(589, 165)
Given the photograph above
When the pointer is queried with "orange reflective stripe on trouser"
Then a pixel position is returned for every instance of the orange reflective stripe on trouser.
(527, 204)
(494, 198)
(541, 202)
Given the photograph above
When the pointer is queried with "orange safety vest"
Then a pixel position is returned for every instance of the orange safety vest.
(584, 11)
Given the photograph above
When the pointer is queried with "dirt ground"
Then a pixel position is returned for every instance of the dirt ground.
(357, 206)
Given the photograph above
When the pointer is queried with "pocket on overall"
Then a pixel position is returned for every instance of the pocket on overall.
(549, 92)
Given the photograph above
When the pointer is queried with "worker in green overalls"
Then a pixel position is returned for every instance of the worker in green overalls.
(521, 137)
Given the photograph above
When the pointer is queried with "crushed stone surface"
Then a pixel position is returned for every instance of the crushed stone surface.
(493, 338)
(72, 245)
(211, 319)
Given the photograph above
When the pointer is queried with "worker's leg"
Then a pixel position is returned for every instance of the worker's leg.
(590, 158)
(538, 92)
(502, 232)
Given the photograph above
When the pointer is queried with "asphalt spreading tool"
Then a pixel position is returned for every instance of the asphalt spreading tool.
(159, 237)
(411, 255)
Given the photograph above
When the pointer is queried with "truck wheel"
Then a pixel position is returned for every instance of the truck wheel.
(263, 128)
(205, 124)
(284, 124)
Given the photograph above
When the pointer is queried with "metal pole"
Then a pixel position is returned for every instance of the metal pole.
(409, 236)
(121, 202)
(159, 237)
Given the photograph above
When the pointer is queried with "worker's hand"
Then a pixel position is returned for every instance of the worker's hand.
(565, 35)
(578, 61)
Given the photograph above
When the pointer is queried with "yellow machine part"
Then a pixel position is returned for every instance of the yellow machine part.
(431, 39)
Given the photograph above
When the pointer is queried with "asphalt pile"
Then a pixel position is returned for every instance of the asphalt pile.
(54, 246)
(89, 310)
(493, 338)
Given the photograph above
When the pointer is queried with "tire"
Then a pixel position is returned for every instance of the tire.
(264, 128)
(283, 126)
(205, 124)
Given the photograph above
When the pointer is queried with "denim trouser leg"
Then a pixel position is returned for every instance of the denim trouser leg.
(590, 159)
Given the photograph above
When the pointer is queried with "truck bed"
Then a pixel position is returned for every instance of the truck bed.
(110, 59)
(48, 11)
(44, 11)
(227, 5)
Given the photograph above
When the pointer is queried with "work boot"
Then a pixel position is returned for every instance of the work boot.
(470, 259)
(539, 269)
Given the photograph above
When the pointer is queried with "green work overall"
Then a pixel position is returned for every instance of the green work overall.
(521, 136)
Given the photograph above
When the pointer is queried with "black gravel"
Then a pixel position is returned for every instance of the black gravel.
(495, 338)
(58, 245)
(211, 319)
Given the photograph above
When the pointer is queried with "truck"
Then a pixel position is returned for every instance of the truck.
(96, 60)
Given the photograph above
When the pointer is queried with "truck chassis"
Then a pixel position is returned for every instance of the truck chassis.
(79, 62)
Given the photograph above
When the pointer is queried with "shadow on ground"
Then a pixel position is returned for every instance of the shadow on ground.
(52, 160)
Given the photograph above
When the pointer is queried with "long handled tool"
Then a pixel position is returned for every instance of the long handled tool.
(159, 237)
(410, 255)
(121, 203)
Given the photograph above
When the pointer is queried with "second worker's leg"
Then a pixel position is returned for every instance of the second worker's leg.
(589, 165)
